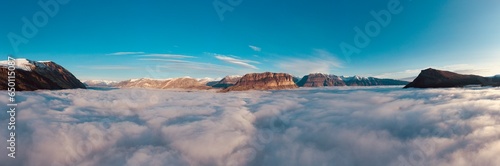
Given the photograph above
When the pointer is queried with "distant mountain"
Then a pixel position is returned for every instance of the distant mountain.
(296, 79)
(174, 83)
(320, 80)
(227, 81)
(432, 78)
(99, 83)
(371, 81)
(35, 75)
(263, 81)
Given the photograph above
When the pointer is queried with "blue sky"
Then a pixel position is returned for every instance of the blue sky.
(117, 40)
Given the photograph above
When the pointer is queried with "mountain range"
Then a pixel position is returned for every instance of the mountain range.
(320, 80)
(32, 75)
(263, 81)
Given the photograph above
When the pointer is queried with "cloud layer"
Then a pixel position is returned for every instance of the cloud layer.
(322, 126)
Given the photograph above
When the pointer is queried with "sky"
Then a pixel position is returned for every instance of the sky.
(118, 40)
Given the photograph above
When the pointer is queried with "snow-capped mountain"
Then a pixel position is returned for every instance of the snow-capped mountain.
(170, 83)
(319, 80)
(227, 81)
(99, 83)
(34, 75)
(351, 78)
(372, 81)
(26, 64)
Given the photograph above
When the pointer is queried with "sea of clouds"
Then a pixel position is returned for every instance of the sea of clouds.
(308, 126)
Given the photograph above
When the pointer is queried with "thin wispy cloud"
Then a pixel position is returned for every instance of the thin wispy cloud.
(169, 66)
(236, 61)
(126, 53)
(190, 67)
(255, 48)
(111, 67)
(163, 60)
(179, 56)
(194, 68)
(320, 61)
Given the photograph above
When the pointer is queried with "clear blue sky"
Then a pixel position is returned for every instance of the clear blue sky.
(117, 40)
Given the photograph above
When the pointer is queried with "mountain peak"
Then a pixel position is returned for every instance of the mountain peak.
(28, 65)
(263, 81)
(433, 78)
(34, 75)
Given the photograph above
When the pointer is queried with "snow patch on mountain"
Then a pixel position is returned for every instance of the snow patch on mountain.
(25, 64)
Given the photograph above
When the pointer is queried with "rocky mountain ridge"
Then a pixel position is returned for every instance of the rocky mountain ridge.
(174, 83)
(320, 80)
(263, 81)
(37, 75)
(227, 81)
(433, 78)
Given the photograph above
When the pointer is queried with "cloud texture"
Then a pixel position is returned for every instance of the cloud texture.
(322, 126)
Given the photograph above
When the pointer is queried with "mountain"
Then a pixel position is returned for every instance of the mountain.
(371, 81)
(174, 83)
(33, 75)
(319, 80)
(99, 83)
(263, 81)
(432, 78)
(227, 81)
(296, 79)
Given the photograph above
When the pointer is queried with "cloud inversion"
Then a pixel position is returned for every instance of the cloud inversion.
(308, 126)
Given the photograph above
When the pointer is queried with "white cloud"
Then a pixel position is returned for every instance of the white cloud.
(308, 126)
(126, 53)
(255, 48)
(109, 67)
(165, 67)
(163, 60)
(143, 54)
(320, 61)
(235, 60)
(168, 56)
